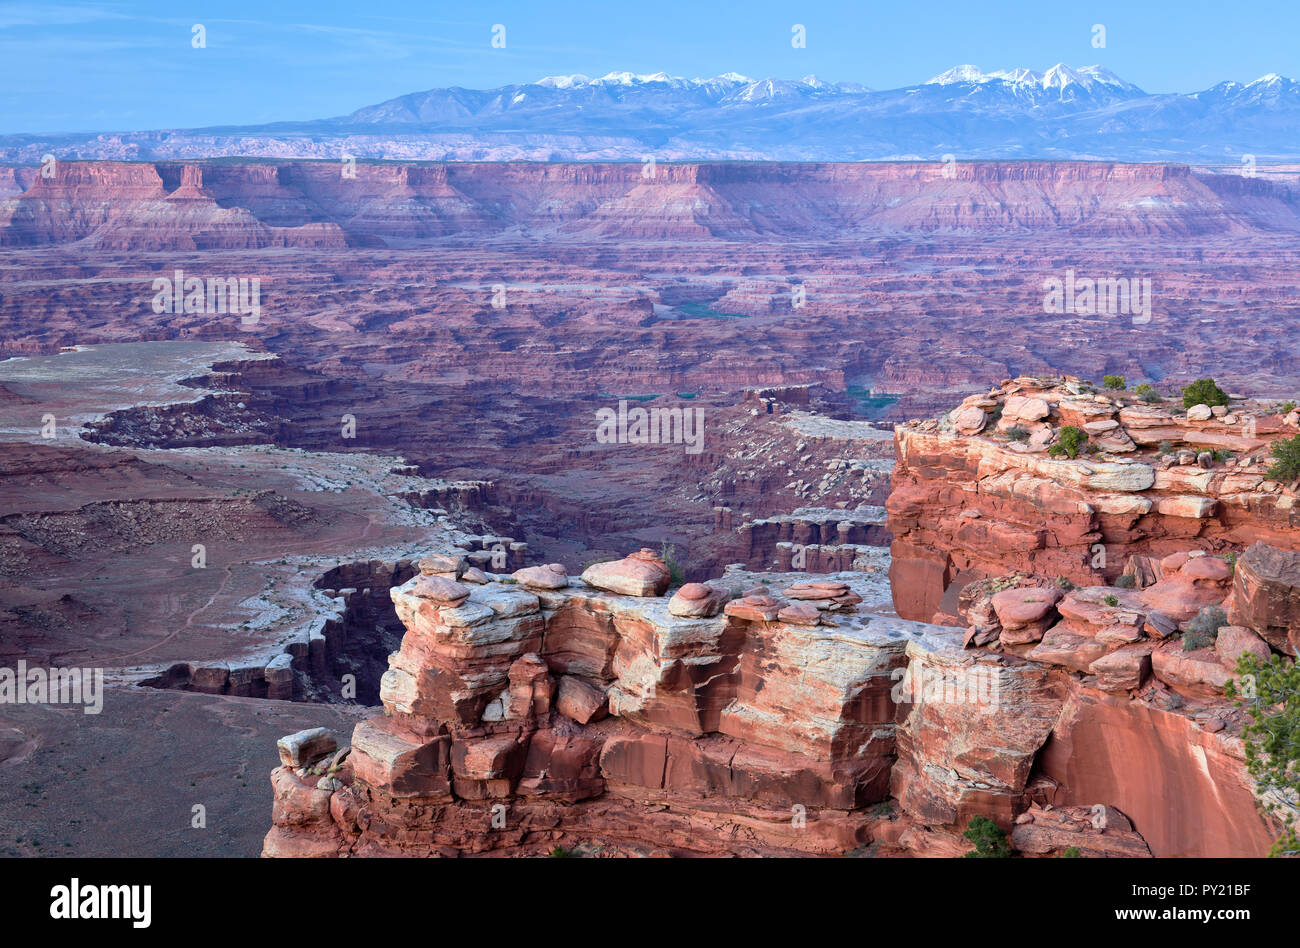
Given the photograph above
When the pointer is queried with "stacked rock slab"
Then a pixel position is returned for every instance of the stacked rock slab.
(978, 493)
(540, 712)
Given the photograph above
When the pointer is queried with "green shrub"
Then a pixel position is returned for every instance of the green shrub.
(1269, 692)
(1204, 392)
(1165, 448)
(1072, 439)
(1110, 600)
(1127, 581)
(1114, 382)
(1286, 408)
(990, 842)
(1018, 433)
(1286, 460)
(669, 554)
(1071, 852)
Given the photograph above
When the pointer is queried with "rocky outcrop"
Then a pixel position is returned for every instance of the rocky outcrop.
(1083, 697)
(974, 499)
(522, 718)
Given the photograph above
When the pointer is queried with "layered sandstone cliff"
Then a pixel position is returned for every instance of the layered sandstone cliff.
(175, 205)
(979, 494)
(795, 716)
(547, 711)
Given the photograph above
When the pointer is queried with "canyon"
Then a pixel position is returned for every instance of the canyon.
(420, 383)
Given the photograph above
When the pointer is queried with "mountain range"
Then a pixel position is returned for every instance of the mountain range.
(1061, 113)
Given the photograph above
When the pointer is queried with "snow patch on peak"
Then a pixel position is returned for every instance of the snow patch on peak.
(564, 82)
(966, 73)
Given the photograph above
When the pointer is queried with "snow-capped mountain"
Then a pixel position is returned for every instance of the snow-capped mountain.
(1061, 112)
(1061, 78)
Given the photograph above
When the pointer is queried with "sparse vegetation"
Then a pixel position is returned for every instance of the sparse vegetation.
(1071, 441)
(1165, 448)
(1071, 852)
(1127, 581)
(990, 842)
(669, 554)
(1204, 392)
(1018, 433)
(1269, 692)
(1286, 460)
(1115, 382)
(1110, 599)
(1204, 629)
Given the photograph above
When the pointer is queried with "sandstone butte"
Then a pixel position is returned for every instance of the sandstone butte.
(804, 717)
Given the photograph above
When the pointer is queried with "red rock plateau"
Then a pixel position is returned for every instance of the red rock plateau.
(422, 375)
(494, 308)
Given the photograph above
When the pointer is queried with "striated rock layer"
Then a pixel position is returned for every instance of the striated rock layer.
(978, 494)
(770, 717)
(518, 718)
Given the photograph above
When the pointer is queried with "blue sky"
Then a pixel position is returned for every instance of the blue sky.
(72, 66)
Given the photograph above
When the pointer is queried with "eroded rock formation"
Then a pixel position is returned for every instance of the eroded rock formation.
(977, 494)
(759, 718)
(528, 715)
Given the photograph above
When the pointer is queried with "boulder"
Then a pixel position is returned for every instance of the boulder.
(800, 613)
(1266, 595)
(754, 608)
(1233, 641)
(642, 574)
(697, 601)
(1025, 409)
(1096, 831)
(550, 576)
(1198, 673)
(304, 748)
(440, 589)
(970, 421)
(580, 701)
(440, 563)
(1025, 614)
